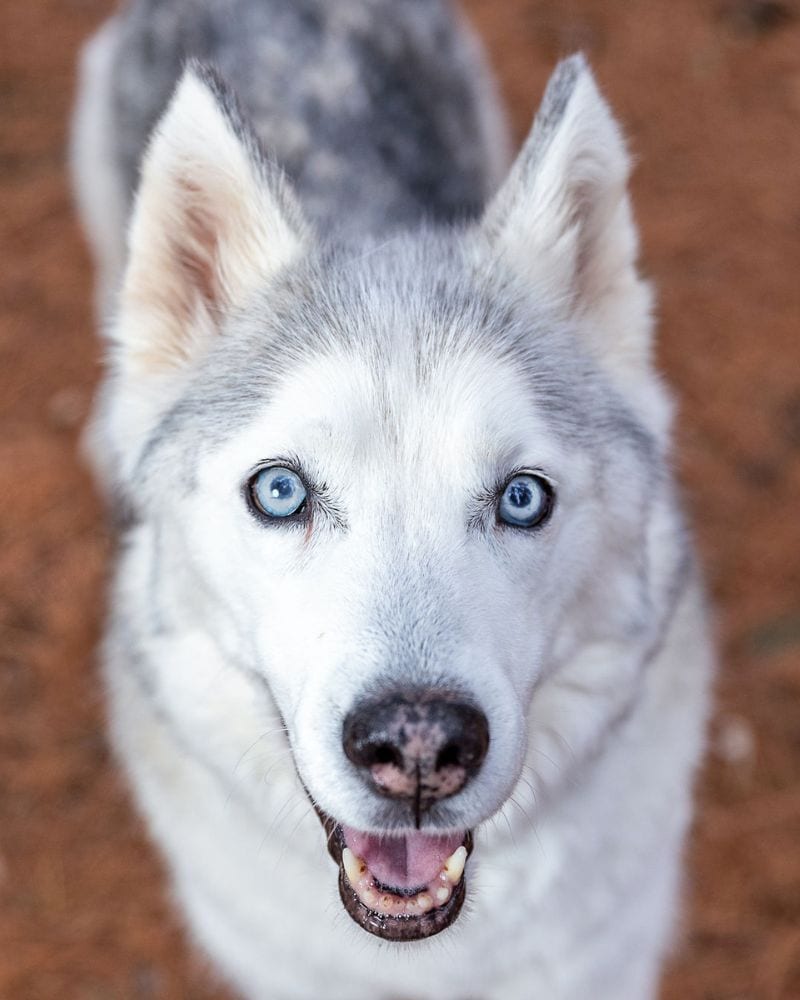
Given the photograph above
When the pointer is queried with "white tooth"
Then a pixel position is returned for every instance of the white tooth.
(354, 867)
(442, 894)
(368, 897)
(454, 866)
(424, 901)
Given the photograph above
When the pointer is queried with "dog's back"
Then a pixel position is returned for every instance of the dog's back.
(382, 113)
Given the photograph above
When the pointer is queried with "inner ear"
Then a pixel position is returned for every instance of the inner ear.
(198, 251)
(213, 220)
(563, 221)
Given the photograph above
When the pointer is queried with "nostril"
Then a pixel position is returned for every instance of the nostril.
(365, 740)
(385, 753)
(467, 738)
(448, 756)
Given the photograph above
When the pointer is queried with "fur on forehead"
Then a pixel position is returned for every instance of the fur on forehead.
(413, 312)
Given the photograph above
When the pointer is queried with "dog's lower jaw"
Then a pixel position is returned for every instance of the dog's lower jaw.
(400, 926)
(396, 913)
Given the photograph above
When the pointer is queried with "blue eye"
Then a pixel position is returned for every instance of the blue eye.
(526, 501)
(277, 492)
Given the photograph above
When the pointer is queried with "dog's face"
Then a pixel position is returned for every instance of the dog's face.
(399, 486)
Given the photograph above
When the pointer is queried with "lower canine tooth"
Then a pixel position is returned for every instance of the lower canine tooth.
(454, 866)
(354, 867)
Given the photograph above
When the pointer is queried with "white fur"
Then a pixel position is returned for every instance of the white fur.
(265, 907)
(594, 684)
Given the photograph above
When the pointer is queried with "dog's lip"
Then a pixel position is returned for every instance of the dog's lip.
(393, 927)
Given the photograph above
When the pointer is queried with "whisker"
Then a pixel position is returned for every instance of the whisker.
(263, 736)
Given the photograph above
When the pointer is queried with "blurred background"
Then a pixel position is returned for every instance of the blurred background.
(709, 93)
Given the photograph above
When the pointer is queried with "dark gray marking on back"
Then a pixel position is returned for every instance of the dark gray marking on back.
(370, 108)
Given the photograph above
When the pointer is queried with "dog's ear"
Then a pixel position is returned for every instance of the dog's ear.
(213, 219)
(563, 220)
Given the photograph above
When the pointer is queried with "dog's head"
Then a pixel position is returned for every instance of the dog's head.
(400, 487)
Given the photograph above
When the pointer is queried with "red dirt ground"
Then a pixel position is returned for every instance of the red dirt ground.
(710, 95)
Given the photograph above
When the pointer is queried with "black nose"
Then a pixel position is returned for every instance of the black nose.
(419, 748)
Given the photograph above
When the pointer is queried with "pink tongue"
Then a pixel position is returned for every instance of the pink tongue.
(410, 861)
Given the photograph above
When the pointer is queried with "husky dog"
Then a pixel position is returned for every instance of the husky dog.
(403, 580)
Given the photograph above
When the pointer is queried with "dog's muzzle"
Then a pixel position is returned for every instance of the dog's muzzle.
(416, 749)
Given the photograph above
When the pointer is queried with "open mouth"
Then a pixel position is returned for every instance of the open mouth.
(399, 887)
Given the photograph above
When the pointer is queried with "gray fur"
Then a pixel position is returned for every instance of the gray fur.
(371, 106)
(325, 305)
(560, 89)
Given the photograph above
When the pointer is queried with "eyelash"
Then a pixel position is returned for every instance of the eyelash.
(317, 499)
(487, 503)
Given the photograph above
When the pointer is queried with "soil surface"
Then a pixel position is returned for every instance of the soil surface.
(709, 93)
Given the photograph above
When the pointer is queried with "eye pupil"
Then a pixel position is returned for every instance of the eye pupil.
(520, 495)
(282, 487)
